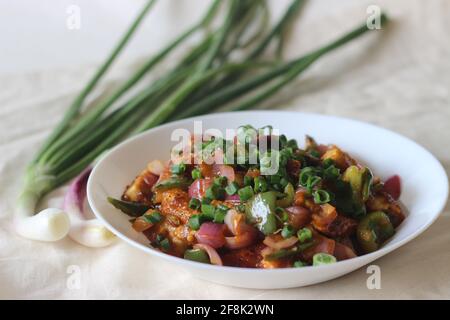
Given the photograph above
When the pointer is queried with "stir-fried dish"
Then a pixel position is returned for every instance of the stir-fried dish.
(317, 206)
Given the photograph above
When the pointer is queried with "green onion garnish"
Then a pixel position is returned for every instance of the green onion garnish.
(215, 192)
(320, 259)
(194, 222)
(245, 193)
(207, 211)
(321, 196)
(219, 216)
(299, 264)
(232, 188)
(220, 181)
(287, 231)
(165, 244)
(304, 235)
(196, 174)
(194, 204)
(178, 168)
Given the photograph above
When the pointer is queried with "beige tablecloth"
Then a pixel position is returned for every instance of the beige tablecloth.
(398, 79)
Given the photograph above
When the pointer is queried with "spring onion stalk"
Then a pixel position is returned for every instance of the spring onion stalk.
(289, 71)
(74, 109)
(219, 69)
(88, 232)
(53, 224)
(146, 67)
(223, 90)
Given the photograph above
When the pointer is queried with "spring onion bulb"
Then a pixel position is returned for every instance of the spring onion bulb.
(51, 224)
(88, 232)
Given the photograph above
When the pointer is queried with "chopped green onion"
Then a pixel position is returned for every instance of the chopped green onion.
(320, 259)
(232, 188)
(304, 235)
(245, 193)
(305, 175)
(165, 244)
(196, 174)
(312, 182)
(208, 211)
(299, 264)
(178, 168)
(215, 192)
(287, 231)
(321, 196)
(315, 153)
(220, 181)
(194, 204)
(153, 217)
(206, 200)
(194, 222)
(219, 216)
(327, 163)
(331, 172)
(284, 182)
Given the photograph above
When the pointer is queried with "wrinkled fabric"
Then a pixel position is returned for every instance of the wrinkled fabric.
(397, 78)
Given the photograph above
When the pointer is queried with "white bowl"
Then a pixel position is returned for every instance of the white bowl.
(425, 186)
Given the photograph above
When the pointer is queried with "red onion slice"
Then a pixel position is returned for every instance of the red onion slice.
(211, 234)
(280, 244)
(393, 187)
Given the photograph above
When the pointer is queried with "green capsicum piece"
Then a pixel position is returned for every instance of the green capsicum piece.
(373, 230)
(197, 255)
(133, 209)
(260, 210)
(288, 198)
(173, 182)
(360, 180)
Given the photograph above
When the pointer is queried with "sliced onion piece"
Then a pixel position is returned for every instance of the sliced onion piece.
(224, 171)
(211, 234)
(241, 240)
(236, 222)
(156, 167)
(271, 242)
(90, 233)
(214, 257)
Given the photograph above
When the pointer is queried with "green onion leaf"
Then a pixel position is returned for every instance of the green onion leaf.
(196, 174)
(304, 235)
(194, 204)
(194, 222)
(321, 196)
(287, 231)
(178, 168)
(232, 188)
(245, 193)
(320, 259)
